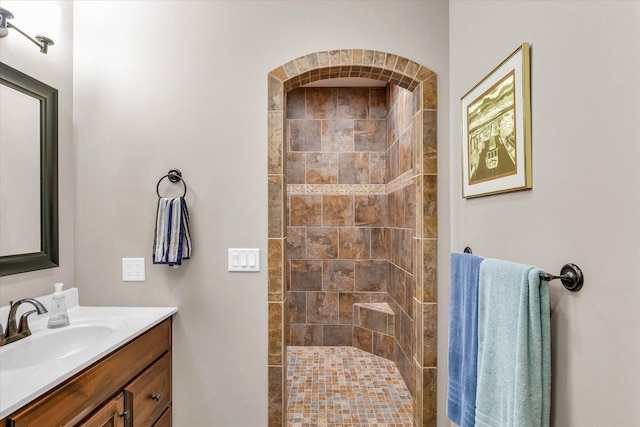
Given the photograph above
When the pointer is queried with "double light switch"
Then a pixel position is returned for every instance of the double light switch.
(244, 259)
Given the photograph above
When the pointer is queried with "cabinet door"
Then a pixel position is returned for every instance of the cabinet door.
(111, 414)
(151, 392)
(164, 420)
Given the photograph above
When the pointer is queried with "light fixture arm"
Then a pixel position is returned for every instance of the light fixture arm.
(42, 42)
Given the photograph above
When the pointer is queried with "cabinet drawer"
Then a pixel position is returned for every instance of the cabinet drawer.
(151, 392)
(75, 399)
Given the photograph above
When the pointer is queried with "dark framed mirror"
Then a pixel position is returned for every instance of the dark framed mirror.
(29, 190)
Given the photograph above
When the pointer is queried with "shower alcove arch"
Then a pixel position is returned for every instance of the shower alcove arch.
(421, 81)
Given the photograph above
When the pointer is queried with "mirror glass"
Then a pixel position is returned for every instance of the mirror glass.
(19, 172)
(28, 173)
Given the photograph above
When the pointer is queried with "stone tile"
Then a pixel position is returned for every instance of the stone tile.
(430, 211)
(371, 210)
(363, 339)
(430, 94)
(338, 275)
(354, 243)
(322, 308)
(353, 168)
(276, 402)
(305, 335)
(322, 103)
(322, 242)
(393, 161)
(276, 270)
(322, 168)
(406, 246)
(305, 210)
(275, 94)
(276, 206)
(346, 301)
(384, 346)
(372, 319)
(353, 103)
(337, 135)
(378, 167)
(429, 399)
(337, 210)
(275, 142)
(296, 243)
(430, 331)
(370, 135)
(305, 135)
(371, 276)
(306, 275)
(406, 333)
(296, 104)
(405, 152)
(409, 219)
(337, 335)
(377, 103)
(379, 243)
(296, 307)
(296, 167)
(430, 268)
(275, 333)
(430, 142)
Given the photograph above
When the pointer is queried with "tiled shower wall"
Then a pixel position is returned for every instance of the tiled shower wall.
(351, 220)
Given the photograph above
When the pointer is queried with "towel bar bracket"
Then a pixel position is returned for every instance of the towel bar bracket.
(174, 175)
(570, 275)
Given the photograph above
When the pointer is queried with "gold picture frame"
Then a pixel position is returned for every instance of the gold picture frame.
(496, 129)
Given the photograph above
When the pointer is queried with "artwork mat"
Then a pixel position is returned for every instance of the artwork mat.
(518, 63)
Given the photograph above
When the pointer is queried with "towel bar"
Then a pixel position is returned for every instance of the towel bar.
(570, 275)
(174, 176)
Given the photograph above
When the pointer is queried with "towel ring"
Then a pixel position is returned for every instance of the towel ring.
(174, 176)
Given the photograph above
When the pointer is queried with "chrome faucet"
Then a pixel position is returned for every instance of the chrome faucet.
(15, 332)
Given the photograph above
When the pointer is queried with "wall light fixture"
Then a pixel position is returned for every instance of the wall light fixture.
(42, 42)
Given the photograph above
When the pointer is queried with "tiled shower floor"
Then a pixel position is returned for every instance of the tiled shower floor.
(344, 386)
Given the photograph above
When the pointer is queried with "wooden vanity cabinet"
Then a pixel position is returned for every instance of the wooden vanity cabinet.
(130, 387)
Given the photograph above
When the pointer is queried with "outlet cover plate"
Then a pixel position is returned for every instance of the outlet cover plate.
(133, 270)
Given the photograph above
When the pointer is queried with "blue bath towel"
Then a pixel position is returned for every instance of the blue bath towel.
(514, 344)
(463, 338)
(172, 242)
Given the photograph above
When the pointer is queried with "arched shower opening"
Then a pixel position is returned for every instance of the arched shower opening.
(352, 216)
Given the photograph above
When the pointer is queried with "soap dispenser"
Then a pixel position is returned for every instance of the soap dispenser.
(58, 317)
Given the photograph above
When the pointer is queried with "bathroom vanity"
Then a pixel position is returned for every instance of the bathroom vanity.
(110, 367)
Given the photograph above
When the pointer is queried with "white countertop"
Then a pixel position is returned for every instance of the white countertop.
(20, 386)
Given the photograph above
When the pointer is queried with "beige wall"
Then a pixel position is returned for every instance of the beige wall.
(53, 19)
(585, 204)
(185, 85)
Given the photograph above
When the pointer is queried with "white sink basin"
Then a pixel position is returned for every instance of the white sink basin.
(51, 345)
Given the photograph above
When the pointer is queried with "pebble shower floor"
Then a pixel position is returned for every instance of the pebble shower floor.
(345, 386)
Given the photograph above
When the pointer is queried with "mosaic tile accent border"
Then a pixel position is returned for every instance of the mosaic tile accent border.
(399, 183)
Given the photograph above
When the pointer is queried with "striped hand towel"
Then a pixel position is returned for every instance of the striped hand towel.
(172, 241)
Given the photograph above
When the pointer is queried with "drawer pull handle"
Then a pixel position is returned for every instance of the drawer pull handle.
(124, 414)
(155, 397)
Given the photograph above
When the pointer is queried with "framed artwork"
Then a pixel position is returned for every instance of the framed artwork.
(496, 129)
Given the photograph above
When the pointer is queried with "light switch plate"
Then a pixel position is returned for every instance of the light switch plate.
(244, 259)
(133, 270)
